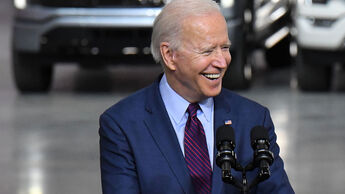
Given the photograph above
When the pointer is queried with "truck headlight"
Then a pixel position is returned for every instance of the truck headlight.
(20, 4)
(310, 2)
(226, 3)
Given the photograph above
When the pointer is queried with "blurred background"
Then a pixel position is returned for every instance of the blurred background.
(62, 63)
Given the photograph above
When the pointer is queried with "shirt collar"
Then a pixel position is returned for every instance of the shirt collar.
(176, 105)
(207, 108)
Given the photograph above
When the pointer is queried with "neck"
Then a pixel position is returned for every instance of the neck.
(175, 85)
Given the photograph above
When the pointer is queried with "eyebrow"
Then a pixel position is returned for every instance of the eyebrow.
(229, 43)
(208, 47)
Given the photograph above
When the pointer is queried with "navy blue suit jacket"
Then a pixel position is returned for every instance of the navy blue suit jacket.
(140, 152)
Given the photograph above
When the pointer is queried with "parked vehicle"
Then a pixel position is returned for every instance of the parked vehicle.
(256, 24)
(99, 32)
(320, 38)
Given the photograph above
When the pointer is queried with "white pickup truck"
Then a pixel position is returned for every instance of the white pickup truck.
(320, 37)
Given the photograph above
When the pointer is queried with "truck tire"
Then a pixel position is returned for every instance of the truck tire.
(31, 76)
(279, 54)
(312, 77)
(236, 76)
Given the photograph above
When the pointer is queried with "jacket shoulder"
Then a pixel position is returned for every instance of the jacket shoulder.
(240, 102)
(131, 104)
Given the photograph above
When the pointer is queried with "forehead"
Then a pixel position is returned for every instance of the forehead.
(208, 28)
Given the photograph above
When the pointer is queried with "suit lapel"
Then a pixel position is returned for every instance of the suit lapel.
(222, 113)
(158, 123)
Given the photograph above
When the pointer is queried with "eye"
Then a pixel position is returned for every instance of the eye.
(226, 48)
(207, 52)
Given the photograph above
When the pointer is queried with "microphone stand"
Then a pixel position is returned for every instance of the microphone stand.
(263, 174)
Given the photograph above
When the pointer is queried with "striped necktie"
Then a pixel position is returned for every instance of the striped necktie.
(196, 152)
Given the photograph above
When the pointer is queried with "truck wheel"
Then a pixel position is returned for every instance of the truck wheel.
(29, 75)
(279, 54)
(238, 76)
(312, 77)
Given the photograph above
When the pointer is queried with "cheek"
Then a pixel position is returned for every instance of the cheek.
(204, 62)
(197, 65)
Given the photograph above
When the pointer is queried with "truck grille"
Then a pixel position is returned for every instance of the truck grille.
(75, 40)
(320, 1)
(100, 3)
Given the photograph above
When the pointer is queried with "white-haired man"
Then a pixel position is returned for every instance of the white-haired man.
(161, 139)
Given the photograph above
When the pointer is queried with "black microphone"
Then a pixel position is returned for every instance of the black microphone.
(263, 157)
(226, 157)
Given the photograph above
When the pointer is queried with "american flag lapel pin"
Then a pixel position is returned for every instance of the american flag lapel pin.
(228, 122)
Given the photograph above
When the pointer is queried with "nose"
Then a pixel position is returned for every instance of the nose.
(222, 58)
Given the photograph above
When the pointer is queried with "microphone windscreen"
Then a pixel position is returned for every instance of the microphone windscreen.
(258, 132)
(225, 133)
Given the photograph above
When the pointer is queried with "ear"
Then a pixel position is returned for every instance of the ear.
(167, 56)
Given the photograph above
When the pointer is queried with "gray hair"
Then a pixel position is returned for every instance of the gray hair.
(168, 24)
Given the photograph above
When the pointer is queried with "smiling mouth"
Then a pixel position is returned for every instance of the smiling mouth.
(211, 76)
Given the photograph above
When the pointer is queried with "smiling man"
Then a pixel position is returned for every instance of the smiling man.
(161, 139)
(195, 69)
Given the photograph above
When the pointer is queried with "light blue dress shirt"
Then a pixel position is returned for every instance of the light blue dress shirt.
(176, 107)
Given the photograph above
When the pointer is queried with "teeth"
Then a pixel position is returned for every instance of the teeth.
(212, 76)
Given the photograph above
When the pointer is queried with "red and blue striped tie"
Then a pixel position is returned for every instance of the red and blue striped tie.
(196, 152)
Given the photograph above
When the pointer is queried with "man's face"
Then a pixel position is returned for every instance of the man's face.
(202, 58)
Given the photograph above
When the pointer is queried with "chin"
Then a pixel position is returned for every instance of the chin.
(214, 92)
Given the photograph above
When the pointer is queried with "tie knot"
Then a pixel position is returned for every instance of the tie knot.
(192, 109)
